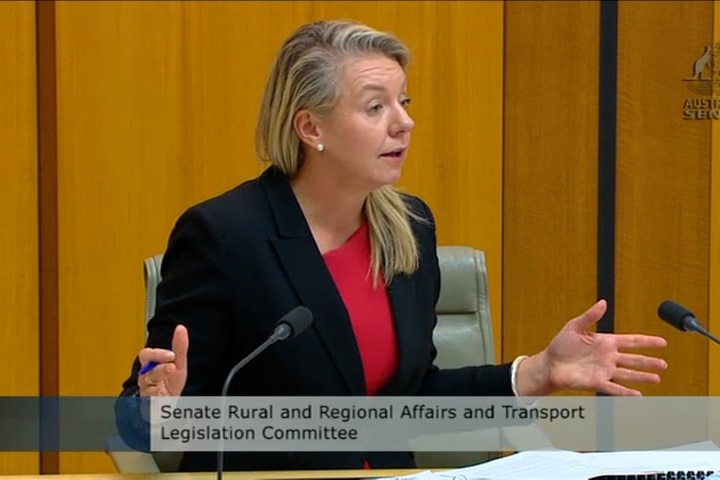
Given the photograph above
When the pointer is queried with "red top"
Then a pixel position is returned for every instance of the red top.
(369, 308)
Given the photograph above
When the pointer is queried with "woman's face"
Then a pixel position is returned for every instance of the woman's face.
(367, 133)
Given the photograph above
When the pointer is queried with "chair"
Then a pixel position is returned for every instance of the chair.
(463, 336)
(152, 268)
(125, 459)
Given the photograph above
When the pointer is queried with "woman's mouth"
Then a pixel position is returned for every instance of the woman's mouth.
(397, 153)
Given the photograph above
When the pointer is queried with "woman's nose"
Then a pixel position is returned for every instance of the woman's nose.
(403, 122)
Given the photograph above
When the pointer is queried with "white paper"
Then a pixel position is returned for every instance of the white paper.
(568, 465)
(656, 461)
(555, 464)
(424, 475)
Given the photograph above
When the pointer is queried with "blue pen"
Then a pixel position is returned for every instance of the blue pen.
(147, 368)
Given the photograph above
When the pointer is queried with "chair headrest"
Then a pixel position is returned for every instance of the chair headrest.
(463, 279)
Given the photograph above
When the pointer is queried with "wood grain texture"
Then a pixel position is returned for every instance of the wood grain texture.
(663, 183)
(713, 319)
(19, 213)
(550, 169)
(714, 274)
(156, 109)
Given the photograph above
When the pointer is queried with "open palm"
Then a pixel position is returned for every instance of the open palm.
(580, 359)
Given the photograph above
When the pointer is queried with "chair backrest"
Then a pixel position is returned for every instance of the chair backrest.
(152, 268)
(464, 331)
(136, 462)
(463, 335)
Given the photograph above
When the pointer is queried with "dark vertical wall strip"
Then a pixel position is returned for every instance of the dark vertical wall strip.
(48, 227)
(607, 107)
(606, 160)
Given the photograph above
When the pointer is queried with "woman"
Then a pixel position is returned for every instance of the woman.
(323, 227)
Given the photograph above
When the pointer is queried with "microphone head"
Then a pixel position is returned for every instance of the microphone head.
(297, 320)
(675, 314)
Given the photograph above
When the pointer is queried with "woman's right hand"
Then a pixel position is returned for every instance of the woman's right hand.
(168, 378)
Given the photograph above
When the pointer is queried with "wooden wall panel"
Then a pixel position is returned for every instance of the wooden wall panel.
(713, 320)
(18, 210)
(170, 121)
(550, 169)
(140, 138)
(663, 180)
(714, 273)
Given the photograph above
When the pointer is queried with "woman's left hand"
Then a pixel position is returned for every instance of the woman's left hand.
(580, 359)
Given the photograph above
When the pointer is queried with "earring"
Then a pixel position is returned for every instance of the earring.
(320, 147)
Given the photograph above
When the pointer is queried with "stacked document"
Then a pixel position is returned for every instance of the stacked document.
(567, 465)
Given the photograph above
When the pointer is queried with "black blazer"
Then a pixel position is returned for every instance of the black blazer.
(237, 263)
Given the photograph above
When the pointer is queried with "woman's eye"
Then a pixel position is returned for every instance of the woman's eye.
(405, 102)
(375, 108)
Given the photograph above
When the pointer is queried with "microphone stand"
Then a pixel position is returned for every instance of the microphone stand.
(692, 324)
(281, 332)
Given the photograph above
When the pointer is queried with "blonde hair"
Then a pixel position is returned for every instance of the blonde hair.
(306, 75)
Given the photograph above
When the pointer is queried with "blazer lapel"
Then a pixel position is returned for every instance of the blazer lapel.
(305, 268)
(404, 308)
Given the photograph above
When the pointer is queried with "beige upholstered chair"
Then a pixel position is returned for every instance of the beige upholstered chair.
(124, 459)
(151, 268)
(463, 336)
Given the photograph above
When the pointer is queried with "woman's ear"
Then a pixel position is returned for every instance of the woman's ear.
(305, 124)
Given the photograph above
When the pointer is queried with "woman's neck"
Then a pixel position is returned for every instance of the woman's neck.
(330, 209)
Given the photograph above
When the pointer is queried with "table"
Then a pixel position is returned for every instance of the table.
(266, 475)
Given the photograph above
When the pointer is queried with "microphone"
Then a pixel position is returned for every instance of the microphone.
(290, 325)
(683, 319)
